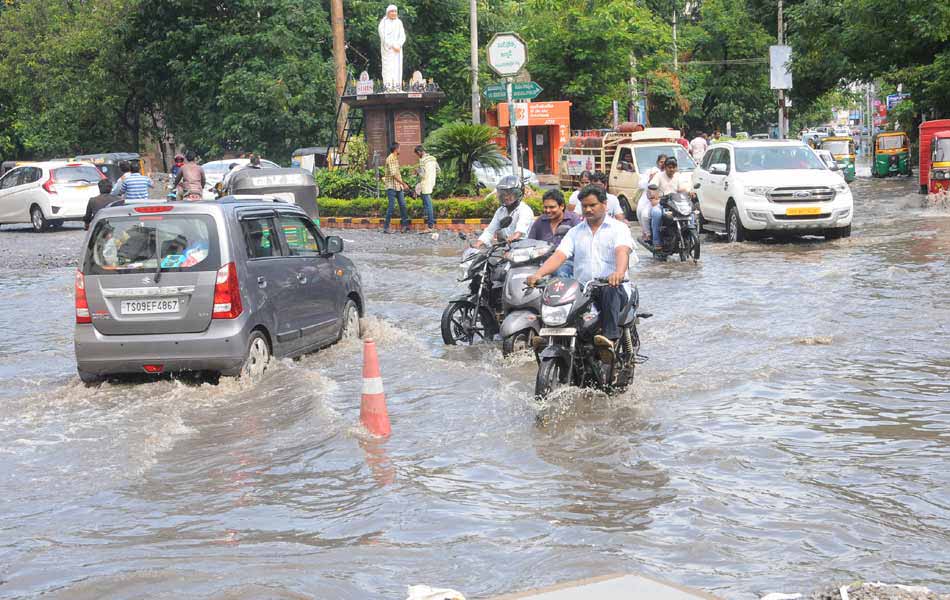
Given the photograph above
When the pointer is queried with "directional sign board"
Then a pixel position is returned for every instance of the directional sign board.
(507, 54)
(527, 90)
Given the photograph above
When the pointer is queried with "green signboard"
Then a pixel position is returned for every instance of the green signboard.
(527, 90)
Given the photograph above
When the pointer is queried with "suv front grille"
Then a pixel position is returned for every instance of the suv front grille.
(802, 194)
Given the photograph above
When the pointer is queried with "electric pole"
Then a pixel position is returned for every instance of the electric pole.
(339, 59)
(781, 93)
(476, 96)
(676, 59)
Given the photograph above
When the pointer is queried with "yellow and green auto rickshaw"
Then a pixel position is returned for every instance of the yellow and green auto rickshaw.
(891, 154)
(842, 148)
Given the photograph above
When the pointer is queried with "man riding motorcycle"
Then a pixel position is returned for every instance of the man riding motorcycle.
(668, 181)
(510, 193)
(600, 247)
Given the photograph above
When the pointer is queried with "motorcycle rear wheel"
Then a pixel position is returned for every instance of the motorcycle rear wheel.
(552, 373)
(460, 325)
(517, 342)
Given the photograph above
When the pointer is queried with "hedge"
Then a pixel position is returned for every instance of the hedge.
(449, 208)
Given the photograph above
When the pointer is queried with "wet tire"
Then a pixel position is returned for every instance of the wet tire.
(838, 233)
(692, 245)
(38, 219)
(459, 326)
(734, 228)
(257, 358)
(351, 328)
(90, 379)
(552, 373)
(517, 342)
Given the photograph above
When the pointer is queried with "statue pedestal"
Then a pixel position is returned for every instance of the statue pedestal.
(395, 117)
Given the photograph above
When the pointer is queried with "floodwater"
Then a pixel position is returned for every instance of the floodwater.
(790, 429)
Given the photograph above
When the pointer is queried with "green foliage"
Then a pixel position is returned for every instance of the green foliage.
(449, 208)
(357, 154)
(458, 145)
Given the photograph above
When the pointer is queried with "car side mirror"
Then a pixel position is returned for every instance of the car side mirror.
(834, 166)
(334, 244)
(719, 169)
(697, 186)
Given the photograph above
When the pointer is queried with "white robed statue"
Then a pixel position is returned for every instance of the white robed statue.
(392, 37)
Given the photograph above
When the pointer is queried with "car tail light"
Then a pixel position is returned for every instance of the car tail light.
(153, 368)
(153, 209)
(82, 306)
(227, 293)
(48, 186)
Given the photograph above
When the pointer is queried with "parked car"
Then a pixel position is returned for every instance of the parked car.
(488, 177)
(829, 159)
(217, 169)
(46, 194)
(749, 189)
(217, 286)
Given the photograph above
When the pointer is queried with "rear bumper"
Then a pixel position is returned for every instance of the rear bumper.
(220, 348)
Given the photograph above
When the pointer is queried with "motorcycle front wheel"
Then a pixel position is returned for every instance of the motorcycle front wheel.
(462, 323)
(692, 244)
(552, 373)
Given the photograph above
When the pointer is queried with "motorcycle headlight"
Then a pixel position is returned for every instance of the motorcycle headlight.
(522, 255)
(555, 315)
(463, 270)
(758, 190)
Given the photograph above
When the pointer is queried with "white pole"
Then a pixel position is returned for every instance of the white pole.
(676, 60)
(781, 93)
(512, 130)
(476, 97)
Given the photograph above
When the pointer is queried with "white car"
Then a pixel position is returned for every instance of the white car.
(828, 158)
(45, 194)
(756, 188)
(488, 177)
(217, 169)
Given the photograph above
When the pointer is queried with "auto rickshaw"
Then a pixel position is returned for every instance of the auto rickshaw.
(842, 148)
(310, 159)
(939, 179)
(891, 154)
(108, 162)
(294, 186)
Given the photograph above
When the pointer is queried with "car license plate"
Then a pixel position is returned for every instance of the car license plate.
(804, 210)
(550, 331)
(149, 307)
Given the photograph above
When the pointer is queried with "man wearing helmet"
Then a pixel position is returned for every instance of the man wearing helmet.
(510, 193)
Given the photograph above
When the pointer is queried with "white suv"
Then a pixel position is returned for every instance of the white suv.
(45, 194)
(754, 189)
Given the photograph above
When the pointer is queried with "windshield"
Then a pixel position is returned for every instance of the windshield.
(776, 159)
(647, 155)
(136, 244)
(942, 150)
(837, 147)
(891, 142)
(85, 173)
(216, 168)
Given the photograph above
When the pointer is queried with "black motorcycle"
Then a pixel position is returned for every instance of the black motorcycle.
(679, 229)
(475, 316)
(570, 320)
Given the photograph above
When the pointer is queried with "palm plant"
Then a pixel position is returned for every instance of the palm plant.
(458, 145)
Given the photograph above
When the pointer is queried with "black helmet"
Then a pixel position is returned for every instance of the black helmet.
(510, 191)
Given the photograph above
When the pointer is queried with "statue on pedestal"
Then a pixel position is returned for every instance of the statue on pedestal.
(392, 37)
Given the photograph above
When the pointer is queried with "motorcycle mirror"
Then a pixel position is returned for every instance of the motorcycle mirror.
(653, 187)
(505, 222)
(462, 236)
(696, 186)
(562, 229)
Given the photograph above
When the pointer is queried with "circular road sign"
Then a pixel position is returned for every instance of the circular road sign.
(507, 54)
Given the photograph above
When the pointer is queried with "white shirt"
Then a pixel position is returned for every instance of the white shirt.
(645, 180)
(678, 183)
(594, 254)
(521, 220)
(613, 205)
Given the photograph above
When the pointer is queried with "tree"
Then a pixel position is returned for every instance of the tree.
(458, 145)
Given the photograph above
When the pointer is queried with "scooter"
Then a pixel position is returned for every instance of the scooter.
(570, 322)
(522, 304)
(679, 229)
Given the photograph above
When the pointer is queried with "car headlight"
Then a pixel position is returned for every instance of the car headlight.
(840, 187)
(758, 190)
(555, 315)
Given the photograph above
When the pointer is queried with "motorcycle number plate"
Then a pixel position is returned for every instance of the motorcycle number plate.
(552, 331)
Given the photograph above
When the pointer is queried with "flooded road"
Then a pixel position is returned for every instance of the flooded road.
(791, 428)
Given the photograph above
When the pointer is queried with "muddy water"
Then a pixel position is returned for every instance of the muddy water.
(792, 427)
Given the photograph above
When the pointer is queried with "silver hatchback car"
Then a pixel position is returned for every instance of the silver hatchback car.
(209, 286)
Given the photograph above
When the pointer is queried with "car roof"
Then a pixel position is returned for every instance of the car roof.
(759, 143)
(205, 207)
(54, 163)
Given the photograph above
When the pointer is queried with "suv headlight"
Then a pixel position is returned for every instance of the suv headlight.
(758, 190)
(840, 187)
(555, 315)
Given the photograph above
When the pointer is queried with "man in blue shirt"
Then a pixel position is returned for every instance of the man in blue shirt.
(554, 215)
(600, 247)
(133, 186)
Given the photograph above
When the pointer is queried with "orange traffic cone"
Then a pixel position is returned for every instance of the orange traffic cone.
(373, 413)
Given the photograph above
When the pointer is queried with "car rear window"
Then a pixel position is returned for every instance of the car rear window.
(138, 244)
(87, 173)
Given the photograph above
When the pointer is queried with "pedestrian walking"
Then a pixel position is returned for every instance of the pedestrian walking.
(97, 203)
(134, 186)
(395, 189)
(428, 171)
(191, 178)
